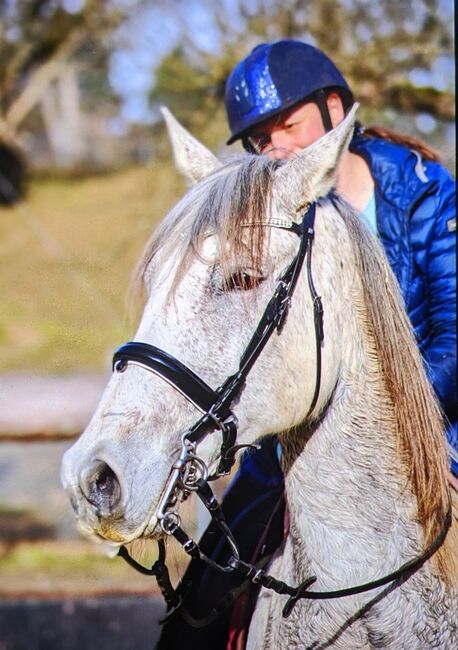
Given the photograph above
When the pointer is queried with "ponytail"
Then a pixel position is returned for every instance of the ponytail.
(408, 141)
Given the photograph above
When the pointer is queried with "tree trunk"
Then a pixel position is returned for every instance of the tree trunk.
(63, 119)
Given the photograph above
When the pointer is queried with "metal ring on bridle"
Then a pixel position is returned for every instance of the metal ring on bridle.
(192, 471)
(170, 521)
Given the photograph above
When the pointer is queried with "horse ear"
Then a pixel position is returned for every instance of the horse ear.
(312, 174)
(192, 158)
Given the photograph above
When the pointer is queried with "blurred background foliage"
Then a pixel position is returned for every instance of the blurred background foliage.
(85, 170)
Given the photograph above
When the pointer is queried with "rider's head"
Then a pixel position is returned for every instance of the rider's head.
(286, 91)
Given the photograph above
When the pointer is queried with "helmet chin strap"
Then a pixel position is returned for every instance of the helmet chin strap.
(320, 100)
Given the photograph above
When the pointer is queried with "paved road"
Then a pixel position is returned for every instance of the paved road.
(108, 623)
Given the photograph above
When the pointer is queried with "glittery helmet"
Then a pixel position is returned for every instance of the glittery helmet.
(275, 77)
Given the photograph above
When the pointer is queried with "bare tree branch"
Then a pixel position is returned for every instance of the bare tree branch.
(38, 82)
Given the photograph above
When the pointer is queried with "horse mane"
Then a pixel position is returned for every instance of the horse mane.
(418, 417)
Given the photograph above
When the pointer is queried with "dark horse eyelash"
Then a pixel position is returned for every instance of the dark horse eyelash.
(220, 283)
(242, 280)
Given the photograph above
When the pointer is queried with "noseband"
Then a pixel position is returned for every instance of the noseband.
(189, 473)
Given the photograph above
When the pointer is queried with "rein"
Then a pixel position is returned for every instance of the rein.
(189, 473)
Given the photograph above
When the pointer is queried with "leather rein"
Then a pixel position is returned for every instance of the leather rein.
(189, 473)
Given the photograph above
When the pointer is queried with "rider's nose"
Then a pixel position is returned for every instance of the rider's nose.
(278, 147)
(101, 487)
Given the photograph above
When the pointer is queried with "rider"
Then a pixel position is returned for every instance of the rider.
(282, 97)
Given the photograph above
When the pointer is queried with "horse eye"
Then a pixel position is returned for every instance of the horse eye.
(242, 281)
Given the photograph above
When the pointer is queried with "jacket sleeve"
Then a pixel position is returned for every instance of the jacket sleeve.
(436, 213)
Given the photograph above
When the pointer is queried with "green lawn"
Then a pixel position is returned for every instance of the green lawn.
(67, 255)
(73, 567)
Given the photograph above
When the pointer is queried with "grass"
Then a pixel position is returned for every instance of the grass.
(67, 254)
(56, 568)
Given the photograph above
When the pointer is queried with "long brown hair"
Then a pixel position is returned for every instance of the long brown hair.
(409, 141)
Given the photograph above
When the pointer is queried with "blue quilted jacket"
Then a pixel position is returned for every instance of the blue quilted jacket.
(416, 222)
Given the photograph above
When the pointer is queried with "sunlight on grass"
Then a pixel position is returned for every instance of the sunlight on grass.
(67, 255)
(80, 567)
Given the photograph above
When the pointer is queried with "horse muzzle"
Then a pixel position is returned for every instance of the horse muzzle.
(100, 497)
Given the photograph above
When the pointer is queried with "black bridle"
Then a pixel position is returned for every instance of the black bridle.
(190, 473)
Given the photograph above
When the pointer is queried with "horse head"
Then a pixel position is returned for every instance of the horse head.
(209, 271)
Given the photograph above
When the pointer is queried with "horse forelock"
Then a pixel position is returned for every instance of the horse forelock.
(419, 425)
(235, 195)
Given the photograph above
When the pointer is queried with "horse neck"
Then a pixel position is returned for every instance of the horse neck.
(347, 488)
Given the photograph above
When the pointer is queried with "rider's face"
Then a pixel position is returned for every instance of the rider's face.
(287, 134)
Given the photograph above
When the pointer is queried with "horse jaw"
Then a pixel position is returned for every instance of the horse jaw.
(192, 158)
(312, 174)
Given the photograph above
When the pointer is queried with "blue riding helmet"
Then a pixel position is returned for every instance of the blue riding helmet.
(275, 77)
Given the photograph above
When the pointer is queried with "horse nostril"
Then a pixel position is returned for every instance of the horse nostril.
(101, 488)
(106, 482)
